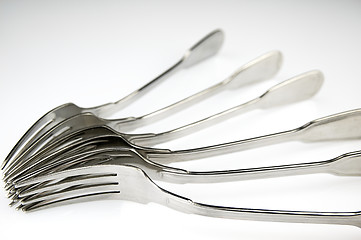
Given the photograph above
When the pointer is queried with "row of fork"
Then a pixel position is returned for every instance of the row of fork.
(74, 154)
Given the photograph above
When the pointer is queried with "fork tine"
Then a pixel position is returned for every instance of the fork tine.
(64, 128)
(78, 199)
(39, 127)
(16, 172)
(21, 163)
(74, 141)
(58, 160)
(79, 155)
(66, 174)
(71, 192)
(38, 146)
(66, 183)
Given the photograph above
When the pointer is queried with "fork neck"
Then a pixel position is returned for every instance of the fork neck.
(183, 204)
(108, 109)
(224, 148)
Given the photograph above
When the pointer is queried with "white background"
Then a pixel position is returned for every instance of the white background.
(93, 52)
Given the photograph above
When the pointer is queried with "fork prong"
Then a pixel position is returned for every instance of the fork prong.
(68, 141)
(79, 199)
(41, 126)
(66, 174)
(59, 143)
(67, 183)
(69, 193)
(58, 133)
(22, 163)
(59, 160)
(16, 172)
(51, 154)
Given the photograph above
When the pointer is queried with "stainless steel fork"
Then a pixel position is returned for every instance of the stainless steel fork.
(72, 150)
(81, 157)
(127, 182)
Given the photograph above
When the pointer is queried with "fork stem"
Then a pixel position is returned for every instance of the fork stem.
(224, 148)
(111, 108)
(246, 174)
(183, 204)
(157, 138)
(132, 123)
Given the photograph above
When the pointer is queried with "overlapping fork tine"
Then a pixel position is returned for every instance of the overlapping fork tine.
(261, 68)
(82, 142)
(63, 185)
(203, 49)
(57, 135)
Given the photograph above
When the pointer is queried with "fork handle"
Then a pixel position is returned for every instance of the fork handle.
(186, 205)
(224, 148)
(111, 108)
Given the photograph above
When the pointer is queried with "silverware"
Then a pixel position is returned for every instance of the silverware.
(73, 154)
(71, 150)
(295, 89)
(127, 182)
(105, 166)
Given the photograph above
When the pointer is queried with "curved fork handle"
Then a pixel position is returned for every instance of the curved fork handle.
(182, 204)
(188, 206)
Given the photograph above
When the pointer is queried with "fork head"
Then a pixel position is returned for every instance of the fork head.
(107, 181)
(62, 130)
(40, 127)
(68, 146)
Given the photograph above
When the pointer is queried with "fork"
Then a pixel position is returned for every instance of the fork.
(205, 48)
(348, 164)
(72, 149)
(295, 89)
(127, 182)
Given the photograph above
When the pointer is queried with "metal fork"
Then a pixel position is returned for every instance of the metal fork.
(205, 48)
(295, 89)
(348, 164)
(71, 150)
(127, 182)
(261, 68)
